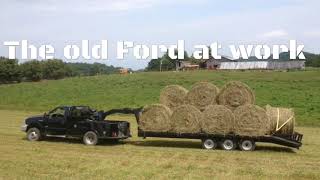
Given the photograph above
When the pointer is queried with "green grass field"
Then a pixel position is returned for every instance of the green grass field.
(155, 158)
(150, 158)
(298, 89)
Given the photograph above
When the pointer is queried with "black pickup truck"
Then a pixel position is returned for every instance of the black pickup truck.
(77, 122)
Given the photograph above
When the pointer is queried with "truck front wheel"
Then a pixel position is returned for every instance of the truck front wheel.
(90, 138)
(33, 134)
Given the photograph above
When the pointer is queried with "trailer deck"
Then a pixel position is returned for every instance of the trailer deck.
(293, 140)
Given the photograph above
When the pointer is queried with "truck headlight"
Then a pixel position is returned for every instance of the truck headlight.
(24, 127)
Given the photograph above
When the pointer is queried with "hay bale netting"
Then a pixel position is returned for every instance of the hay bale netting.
(186, 119)
(173, 96)
(284, 116)
(155, 117)
(202, 94)
(251, 120)
(235, 94)
(217, 119)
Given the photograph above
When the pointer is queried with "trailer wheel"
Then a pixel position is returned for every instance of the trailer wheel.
(247, 145)
(209, 144)
(90, 138)
(228, 144)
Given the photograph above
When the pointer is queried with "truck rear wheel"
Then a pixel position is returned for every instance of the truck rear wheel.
(209, 144)
(90, 138)
(228, 144)
(247, 145)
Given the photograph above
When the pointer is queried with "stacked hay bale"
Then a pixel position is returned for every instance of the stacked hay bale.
(207, 109)
(282, 120)
(186, 119)
(202, 94)
(251, 120)
(217, 119)
(155, 117)
(173, 96)
(235, 94)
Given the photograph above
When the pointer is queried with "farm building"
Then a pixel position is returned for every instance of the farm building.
(185, 65)
(215, 63)
(229, 64)
(272, 64)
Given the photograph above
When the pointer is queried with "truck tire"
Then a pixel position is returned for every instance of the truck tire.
(228, 144)
(90, 138)
(247, 145)
(34, 134)
(209, 144)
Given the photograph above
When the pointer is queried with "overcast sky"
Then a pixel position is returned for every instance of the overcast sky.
(160, 22)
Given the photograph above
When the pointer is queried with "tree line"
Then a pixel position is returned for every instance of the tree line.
(35, 70)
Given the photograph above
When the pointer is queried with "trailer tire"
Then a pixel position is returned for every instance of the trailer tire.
(247, 145)
(228, 144)
(90, 138)
(209, 144)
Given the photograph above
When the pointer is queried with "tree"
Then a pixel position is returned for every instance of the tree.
(32, 70)
(313, 61)
(165, 63)
(54, 69)
(9, 70)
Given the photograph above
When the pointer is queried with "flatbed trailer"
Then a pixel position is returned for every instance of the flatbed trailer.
(211, 141)
(230, 141)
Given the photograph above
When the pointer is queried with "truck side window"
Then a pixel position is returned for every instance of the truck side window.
(59, 112)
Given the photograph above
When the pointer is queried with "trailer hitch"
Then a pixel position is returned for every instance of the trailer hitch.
(135, 111)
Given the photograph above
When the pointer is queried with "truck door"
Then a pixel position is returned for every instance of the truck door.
(56, 121)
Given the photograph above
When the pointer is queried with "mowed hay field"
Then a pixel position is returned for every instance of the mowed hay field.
(155, 158)
(151, 158)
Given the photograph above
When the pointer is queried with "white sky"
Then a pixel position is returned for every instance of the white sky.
(159, 22)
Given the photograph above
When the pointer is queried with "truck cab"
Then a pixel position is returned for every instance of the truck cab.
(75, 122)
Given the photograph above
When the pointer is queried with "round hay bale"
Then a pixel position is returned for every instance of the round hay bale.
(284, 117)
(202, 94)
(251, 120)
(217, 119)
(186, 119)
(235, 94)
(155, 117)
(173, 96)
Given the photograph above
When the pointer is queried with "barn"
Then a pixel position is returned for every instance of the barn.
(226, 63)
(215, 63)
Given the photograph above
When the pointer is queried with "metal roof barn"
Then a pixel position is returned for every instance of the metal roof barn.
(244, 65)
(262, 65)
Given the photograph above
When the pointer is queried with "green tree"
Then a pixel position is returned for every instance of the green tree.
(32, 70)
(165, 63)
(9, 70)
(313, 61)
(54, 69)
